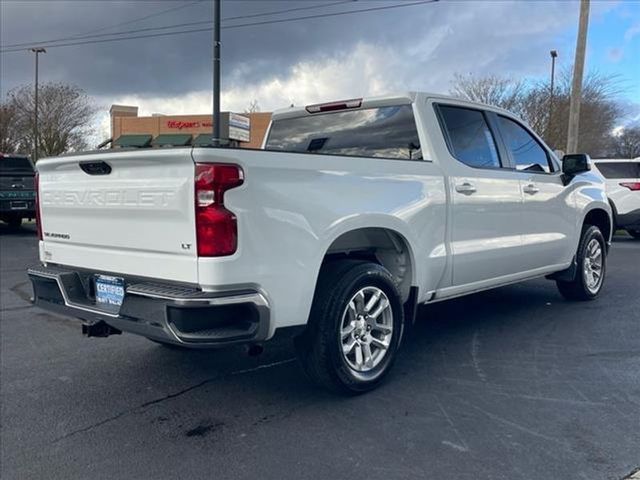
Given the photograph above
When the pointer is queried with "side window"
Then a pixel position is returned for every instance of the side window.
(527, 153)
(468, 136)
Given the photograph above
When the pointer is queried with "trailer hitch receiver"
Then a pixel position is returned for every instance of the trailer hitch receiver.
(99, 329)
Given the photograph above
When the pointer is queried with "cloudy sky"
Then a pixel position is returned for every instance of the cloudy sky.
(417, 47)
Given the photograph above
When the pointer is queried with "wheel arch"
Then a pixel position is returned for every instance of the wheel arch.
(602, 219)
(382, 245)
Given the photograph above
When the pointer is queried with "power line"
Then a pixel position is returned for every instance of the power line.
(166, 27)
(136, 20)
(297, 9)
(93, 32)
(229, 27)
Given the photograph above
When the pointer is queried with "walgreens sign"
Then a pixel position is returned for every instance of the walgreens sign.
(179, 124)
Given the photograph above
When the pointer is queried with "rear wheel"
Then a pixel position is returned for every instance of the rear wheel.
(591, 261)
(354, 329)
(634, 233)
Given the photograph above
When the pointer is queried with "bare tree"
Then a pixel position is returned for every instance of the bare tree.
(627, 143)
(9, 133)
(65, 113)
(253, 107)
(531, 101)
(492, 90)
(599, 112)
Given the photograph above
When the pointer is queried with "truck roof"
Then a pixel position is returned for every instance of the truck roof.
(398, 98)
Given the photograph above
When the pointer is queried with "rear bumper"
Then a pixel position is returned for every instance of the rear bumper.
(169, 313)
(22, 208)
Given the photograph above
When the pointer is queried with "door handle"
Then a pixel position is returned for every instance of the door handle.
(466, 188)
(531, 189)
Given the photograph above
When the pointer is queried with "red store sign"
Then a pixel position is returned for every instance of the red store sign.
(179, 124)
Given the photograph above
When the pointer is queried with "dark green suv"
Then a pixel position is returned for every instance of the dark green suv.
(17, 189)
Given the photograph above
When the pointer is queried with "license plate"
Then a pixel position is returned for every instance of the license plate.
(109, 292)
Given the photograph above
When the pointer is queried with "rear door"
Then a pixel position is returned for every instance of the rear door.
(548, 217)
(127, 212)
(486, 199)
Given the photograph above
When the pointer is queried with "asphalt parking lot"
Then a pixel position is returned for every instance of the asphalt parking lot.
(515, 383)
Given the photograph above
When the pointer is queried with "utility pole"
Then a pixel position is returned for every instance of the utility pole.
(554, 55)
(37, 51)
(576, 86)
(215, 141)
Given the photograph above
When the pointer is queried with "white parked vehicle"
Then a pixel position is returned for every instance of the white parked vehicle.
(354, 213)
(622, 183)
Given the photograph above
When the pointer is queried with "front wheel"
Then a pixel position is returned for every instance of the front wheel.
(354, 329)
(592, 263)
(634, 233)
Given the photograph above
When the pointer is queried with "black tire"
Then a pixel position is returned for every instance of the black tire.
(14, 222)
(320, 347)
(578, 288)
(634, 233)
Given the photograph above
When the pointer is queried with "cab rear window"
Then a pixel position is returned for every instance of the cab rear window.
(383, 132)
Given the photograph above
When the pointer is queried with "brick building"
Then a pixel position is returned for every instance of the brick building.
(130, 130)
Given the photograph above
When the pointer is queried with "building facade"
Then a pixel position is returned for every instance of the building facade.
(160, 129)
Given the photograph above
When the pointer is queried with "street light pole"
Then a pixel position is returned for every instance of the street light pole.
(554, 55)
(576, 86)
(215, 141)
(37, 51)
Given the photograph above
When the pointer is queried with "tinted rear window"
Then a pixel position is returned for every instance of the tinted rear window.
(15, 164)
(385, 132)
(619, 169)
(468, 137)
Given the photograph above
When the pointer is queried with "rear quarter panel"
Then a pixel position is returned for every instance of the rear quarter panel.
(291, 208)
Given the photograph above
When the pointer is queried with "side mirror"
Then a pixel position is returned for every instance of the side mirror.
(574, 164)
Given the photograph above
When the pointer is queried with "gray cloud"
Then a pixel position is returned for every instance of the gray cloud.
(428, 42)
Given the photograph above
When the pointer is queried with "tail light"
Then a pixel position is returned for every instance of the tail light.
(631, 185)
(36, 182)
(216, 227)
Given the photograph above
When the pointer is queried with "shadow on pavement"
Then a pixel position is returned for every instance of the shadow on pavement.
(27, 229)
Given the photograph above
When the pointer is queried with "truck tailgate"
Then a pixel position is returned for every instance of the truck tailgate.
(126, 212)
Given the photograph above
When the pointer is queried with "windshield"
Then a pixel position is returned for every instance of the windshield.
(15, 164)
(385, 132)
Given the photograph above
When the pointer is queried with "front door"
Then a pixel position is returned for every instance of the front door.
(548, 219)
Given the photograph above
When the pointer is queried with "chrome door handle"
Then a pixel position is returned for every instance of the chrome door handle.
(531, 189)
(466, 188)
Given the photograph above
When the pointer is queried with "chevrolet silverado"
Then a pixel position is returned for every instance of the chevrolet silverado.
(352, 214)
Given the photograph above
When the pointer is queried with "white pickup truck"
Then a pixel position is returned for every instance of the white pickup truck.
(352, 214)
